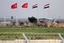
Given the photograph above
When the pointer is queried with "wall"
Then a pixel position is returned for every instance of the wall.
(31, 41)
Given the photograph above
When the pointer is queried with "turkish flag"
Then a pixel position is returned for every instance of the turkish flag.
(25, 5)
(14, 6)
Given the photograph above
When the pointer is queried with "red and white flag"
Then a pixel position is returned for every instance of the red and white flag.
(14, 6)
(35, 6)
(46, 6)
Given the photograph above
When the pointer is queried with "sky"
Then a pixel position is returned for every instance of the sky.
(56, 9)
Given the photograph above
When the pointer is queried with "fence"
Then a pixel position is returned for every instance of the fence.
(26, 40)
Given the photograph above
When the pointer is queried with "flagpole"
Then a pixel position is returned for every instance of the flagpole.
(27, 9)
(17, 17)
(27, 12)
(15, 6)
(25, 6)
(37, 11)
(49, 12)
(34, 7)
(4, 20)
(46, 6)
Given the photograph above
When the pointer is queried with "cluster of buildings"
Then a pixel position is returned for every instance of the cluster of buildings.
(14, 22)
(51, 22)
(40, 22)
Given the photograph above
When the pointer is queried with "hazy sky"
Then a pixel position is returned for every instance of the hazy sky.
(56, 9)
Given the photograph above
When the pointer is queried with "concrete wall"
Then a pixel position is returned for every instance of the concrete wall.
(31, 41)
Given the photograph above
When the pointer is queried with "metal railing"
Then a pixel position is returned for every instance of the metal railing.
(61, 38)
(26, 40)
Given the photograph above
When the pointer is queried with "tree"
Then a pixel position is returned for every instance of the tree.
(32, 19)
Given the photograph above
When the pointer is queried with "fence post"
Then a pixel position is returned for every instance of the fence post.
(61, 38)
(25, 38)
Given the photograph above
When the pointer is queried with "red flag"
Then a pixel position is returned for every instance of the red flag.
(25, 5)
(14, 6)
